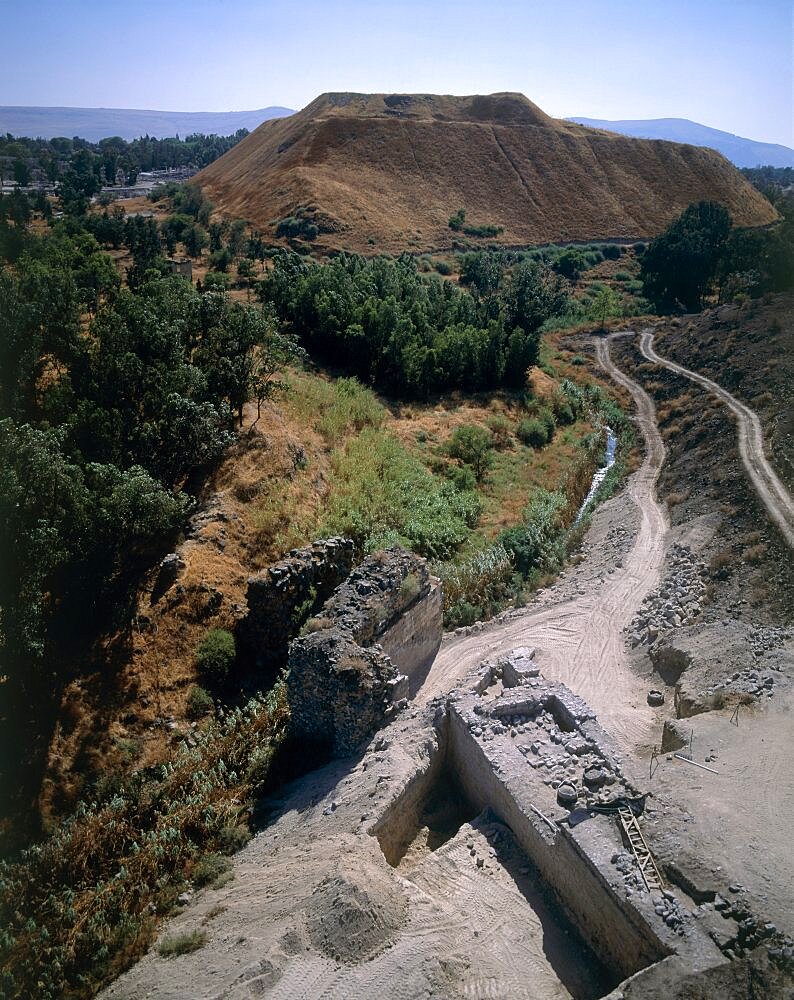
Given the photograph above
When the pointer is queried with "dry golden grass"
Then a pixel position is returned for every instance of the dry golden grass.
(389, 178)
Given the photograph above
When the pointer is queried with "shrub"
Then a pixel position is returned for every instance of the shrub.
(382, 495)
(473, 446)
(500, 429)
(182, 944)
(232, 838)
(215, 655)
(536, 544)
(532, 432)
(409, 588)
(209, 869)
(546, 417)
(199, 703)
(611, 251)
(78, 908)
(461, 476)
(481, 579)
(443, 267)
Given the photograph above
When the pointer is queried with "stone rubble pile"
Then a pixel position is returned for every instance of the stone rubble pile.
(741, 930)
(677, 601)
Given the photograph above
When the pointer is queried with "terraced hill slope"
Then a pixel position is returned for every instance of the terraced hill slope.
(382, 172)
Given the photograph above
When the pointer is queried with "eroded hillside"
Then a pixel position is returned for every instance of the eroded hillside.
(385, 172)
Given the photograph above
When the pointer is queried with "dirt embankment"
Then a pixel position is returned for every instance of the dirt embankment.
(382, 173)
(704, 480)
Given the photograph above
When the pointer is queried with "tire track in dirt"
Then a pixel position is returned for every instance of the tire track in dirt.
(580, 641)
(772, 493)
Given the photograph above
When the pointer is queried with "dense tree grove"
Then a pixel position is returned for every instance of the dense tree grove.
(412, 334)
(109, 398)
(701, 254)
(62, 157)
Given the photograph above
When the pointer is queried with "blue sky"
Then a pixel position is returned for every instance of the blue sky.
(725, 63)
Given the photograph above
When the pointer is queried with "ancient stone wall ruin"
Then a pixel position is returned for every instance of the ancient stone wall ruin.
(508, 744)
(278, 594)
(380, 629)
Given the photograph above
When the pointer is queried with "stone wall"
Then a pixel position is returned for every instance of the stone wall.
(414, 639)
(510, 749)
(276, 594)
(378, 630)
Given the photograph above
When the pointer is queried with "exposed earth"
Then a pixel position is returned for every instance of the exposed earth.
(383, 875)
(381, 173)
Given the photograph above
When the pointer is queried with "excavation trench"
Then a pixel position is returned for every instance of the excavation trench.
(588, 936)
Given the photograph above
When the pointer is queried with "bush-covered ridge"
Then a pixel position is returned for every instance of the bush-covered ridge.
(78, 909)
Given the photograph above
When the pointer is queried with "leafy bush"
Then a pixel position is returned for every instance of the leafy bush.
(473, 446)
(611, 251)
(536, 544)
(182, 944)
(199, 703)
(533, 432)
(479, 582)
(215, 655)
(500, 428)
(462, 476)
(76, 909)
(210, 868)
(443, 267)
(381, 495)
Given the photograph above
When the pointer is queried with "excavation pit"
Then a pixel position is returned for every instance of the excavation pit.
(484, 810)
(436, 839)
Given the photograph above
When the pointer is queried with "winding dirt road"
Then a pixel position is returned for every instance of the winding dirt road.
(580, 641)
(773, 494)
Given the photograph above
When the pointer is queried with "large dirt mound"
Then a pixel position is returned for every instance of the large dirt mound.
(385, 172)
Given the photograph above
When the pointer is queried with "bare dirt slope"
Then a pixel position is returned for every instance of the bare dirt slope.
(580, 638)
(385, 172)
(774, 495)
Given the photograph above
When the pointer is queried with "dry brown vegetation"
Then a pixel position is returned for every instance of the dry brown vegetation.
(385, 173)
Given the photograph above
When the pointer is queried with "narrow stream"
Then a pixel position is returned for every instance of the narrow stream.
(598, 478)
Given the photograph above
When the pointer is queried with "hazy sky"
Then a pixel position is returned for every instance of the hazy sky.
(725, 63)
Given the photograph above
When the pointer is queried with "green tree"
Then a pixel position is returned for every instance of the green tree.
(605, 304)
(195, 240)
(21, 173)
(473, 446)
(680, 265)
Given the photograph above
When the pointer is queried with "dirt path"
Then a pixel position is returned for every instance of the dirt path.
(580, 641)
(774, 495)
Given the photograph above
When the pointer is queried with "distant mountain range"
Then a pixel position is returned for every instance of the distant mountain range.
(94, 124)
(741, 152)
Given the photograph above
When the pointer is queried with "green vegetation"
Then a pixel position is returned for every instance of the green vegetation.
(533, 432)
(211, 869)
(77, 909)
(199, 702)
(382, 495)
(110, 398)
(54, 159)
(700, 254)
(182, 944)
(215, 656)
(473, 446)
(457, 223)
(412, 334)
